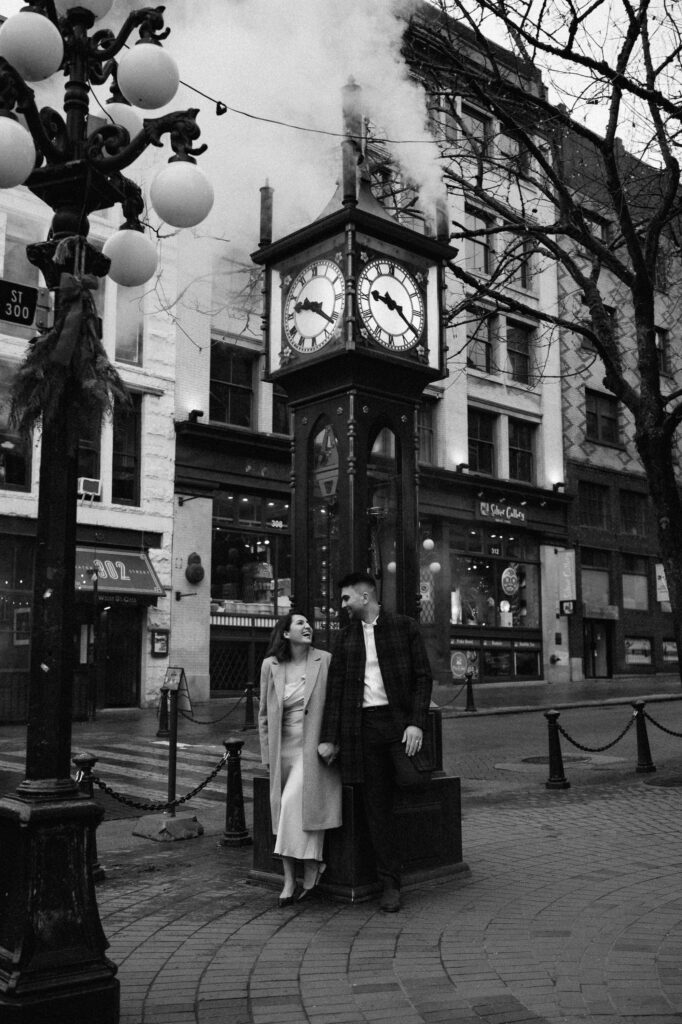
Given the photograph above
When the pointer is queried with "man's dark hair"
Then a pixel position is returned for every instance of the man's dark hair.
(353, 579)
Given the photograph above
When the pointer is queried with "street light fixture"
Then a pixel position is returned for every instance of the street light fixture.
(52, 947)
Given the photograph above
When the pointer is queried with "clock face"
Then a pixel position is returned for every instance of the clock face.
(314, 305)
(391, 305)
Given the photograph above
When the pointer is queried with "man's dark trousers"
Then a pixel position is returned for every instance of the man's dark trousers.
(384, 761)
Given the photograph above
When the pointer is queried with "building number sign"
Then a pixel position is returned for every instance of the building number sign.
(17, 303)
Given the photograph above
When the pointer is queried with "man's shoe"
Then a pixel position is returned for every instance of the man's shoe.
(390, 900)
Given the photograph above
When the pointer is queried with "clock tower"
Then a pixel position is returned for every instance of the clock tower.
(354, 332)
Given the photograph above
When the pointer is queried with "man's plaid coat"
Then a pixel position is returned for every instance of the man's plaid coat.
(407, 678)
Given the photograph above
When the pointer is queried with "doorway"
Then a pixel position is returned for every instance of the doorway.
(119, 645)
(597, 648)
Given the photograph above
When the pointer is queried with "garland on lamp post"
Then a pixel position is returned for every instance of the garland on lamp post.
(52, 947)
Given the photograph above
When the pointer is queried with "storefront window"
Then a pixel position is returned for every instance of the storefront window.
(16, 582)
(15, 462)
(637, 651)
(251, 556)
(501, 592)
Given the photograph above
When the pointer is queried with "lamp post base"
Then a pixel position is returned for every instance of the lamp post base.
(52, 962)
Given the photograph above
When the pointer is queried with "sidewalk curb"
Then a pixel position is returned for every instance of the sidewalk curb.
(525, 709)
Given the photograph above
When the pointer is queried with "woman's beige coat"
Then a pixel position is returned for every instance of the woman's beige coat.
(321, 784)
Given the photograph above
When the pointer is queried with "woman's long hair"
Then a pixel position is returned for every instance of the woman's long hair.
(278, 643)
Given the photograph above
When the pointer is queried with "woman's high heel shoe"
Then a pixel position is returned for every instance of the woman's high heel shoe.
(287, 901)
(306, 891)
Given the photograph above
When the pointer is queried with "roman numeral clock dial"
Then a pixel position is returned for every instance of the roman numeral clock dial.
(390, 304)
(314, 306)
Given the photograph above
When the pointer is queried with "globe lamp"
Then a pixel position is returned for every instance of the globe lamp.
(32, 45)
(147, 76)
(181, 194)
(133, 257)
(17, 153)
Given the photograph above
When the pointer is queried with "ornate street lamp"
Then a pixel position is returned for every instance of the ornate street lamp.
(52, 947)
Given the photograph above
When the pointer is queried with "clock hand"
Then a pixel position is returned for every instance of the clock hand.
(394, 307)
(314, 307)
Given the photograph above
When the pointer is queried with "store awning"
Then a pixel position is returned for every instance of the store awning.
(118, 572)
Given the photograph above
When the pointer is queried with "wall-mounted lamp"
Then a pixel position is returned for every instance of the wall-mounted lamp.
(558, 486)
(542, 504)
(479, 494)
(195, 415)
(461, 466)
(179, 595)
(523, 503)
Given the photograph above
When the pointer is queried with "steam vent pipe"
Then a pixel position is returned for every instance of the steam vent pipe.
(352, 143)
(265, 215)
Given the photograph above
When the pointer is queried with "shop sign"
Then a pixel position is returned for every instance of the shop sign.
(510, 581)
(497, 643)
(566, 607)
(661, 583)
(501, 513)
(459, 664)
(567, 585)
(464, 641)
(526, 645)
(637, 651)
(118, 572)
(607, 611)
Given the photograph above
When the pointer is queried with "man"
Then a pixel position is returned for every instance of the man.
(378, 695)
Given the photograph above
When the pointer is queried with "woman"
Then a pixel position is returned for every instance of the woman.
(305, 794)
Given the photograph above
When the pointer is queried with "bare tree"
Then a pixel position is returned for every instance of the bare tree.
(556, 192)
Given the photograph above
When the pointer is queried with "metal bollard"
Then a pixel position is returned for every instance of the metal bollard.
(84, 764)
(249, 721)
(163, 729)
(644, 762)
(470, 706)
(236, 833)
(557, 779)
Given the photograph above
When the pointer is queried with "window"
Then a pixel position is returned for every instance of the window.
(593, 505)
(598, 227)
(280, 411)
(637, 651)
(634, 513)
(519, 254)
(601, 418)
(635, 583)
(125, 471)
(477, 249)
(513, 152)
(475, 133)
(251, 554)
(595, 577)
(662, 350)
(480, 341)
(481, 441)
(425, 419)
(89, 449)
(15, 453)
(519, 349)
(521, 450)
(16, 594)
(129, 325)
(231, 385)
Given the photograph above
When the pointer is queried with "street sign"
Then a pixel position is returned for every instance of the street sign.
(18, 303)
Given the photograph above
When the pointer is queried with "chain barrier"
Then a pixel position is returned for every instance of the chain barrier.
(452, 699)
(597, 750)
(160, 805)
(663, 728)
(212, 721)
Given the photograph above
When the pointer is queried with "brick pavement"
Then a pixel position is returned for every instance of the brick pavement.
(571, 912)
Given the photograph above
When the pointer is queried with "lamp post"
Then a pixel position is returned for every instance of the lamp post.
(52, 946)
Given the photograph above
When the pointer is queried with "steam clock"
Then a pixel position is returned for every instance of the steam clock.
(354, 332)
